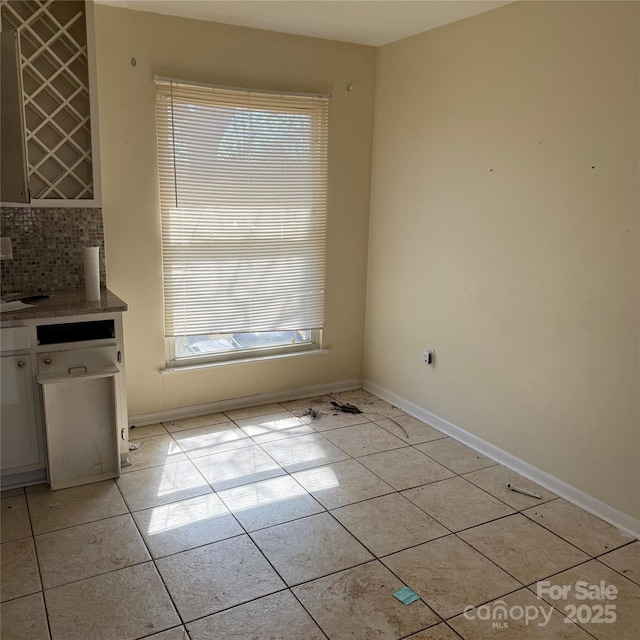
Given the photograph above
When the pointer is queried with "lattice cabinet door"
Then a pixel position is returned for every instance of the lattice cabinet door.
(53, 42)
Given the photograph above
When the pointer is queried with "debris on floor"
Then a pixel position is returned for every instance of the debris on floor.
(134, 446)
(406, 435)
(346, 407)
(406, 595)
(525, 492)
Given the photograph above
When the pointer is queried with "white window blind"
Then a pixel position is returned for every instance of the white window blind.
(243, 192)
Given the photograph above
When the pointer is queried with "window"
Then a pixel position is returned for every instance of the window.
(243, 191)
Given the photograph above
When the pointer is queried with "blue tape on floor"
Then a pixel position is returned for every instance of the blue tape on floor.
(406, 595)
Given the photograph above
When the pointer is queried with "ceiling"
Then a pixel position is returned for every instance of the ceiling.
(370, 22)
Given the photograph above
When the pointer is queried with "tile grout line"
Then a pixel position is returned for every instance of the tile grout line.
(591, 556)
(152, 559)
(290, 587)
(245, 533)
(375, 558)
(35, 548)
(448, 626)
(288, 474)
(553, 606)
(516, 511)
(459, 475)
(598, 558)
(379, 560)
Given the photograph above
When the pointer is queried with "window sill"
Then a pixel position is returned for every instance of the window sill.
(176, 368)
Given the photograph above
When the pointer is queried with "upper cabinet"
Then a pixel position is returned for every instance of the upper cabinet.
(57, 69)
(14, 180)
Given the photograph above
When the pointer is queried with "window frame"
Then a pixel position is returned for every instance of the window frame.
(253, 353)
(237, 356)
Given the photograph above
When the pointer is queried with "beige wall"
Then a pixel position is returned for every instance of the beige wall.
(207, 52)
(504, 222)
(504, 233)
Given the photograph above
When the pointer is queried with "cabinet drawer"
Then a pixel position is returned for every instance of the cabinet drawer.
(14, 338)
(75, 360)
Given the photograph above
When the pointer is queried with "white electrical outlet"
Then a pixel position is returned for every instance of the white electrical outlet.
(428, 356)
(5, 249)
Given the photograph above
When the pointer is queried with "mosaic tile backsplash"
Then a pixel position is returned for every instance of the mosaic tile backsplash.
(47, 248)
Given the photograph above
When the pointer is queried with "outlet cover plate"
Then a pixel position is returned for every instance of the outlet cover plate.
(428, 356)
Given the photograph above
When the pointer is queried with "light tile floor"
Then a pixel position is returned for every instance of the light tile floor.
(268, 523)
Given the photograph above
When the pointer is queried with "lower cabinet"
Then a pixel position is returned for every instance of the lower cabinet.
(80, 402)
(64, 412)
(21, 444)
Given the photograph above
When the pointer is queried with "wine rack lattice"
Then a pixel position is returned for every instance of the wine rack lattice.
(53, 41)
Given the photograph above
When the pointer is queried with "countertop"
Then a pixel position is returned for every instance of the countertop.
(66, 303)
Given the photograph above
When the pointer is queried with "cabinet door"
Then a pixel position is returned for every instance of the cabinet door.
(56, 39)
(81, 425)
(19, 445)
(13, 165)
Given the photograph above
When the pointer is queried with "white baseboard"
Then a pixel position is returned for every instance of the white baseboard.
(181, 413)
(617, 518)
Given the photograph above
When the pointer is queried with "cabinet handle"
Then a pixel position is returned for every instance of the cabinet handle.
(21, 363)
(81, 368)
(48, 360)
